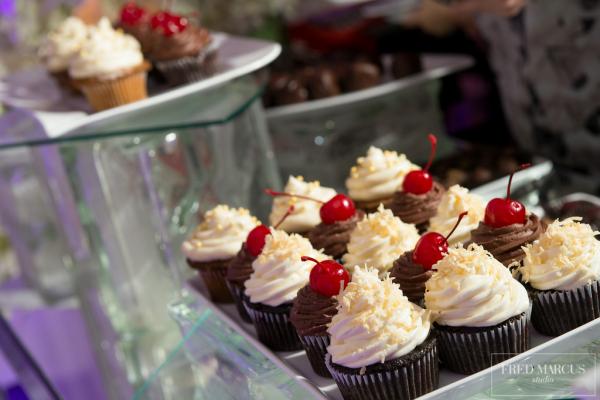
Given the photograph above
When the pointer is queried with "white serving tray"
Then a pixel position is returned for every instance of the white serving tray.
(33, 89)
(434, 67)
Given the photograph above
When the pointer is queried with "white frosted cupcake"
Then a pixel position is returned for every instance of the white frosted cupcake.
(380, 341)
(278, 274)
(378, 240)
(376, 177)
(305, 215)
(214, 243)
(109, 67)
(479, 309)
(562, 269)
(455, 201)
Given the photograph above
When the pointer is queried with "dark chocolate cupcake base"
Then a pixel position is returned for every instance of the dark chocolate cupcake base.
(273, 325)
(316, 350)
(407, 377)
(213, 275)
(556, 312)
(237, 292)
(188, 69)
(467, 350)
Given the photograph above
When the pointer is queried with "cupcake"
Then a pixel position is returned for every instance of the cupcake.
(313, 309)
(382, 346)
(561, 270)
(414, 268)
(238, 272)
(213, 245)
(135, 21)
(455, 201)
(378, 240)
(307, 198)
(479, 310)
(109, 68)
(506, 228)
(180, 50)
(376, 177)
(417, 199)
(59, 46)
(278, 274)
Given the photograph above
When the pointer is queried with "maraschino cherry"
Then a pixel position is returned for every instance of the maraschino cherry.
(255, 241)
(503, 212)
(420, 181)
(169, 24)
(432, 246)
(132, 14)
(338, 208)
(327, 277)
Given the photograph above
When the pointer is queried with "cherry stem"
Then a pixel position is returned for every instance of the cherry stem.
(273, 193)
(460, 218)
(306, 258)
(289, 212)
(433, 140)
(522, 167)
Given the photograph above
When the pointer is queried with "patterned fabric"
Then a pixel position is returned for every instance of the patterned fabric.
(547, 61)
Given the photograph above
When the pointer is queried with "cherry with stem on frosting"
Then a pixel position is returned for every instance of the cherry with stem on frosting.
(327, 277)
(420, 181)
(432, 246)
(132, 14)
(503, 212)
(338, 208)
(255, 241)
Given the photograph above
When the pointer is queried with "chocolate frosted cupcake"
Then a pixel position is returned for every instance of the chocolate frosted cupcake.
(562, 269)
(480, 310)
(417, 209)
(238, 272)
(214, 243)
(333, 238)
(411, 277)
(135, 21)
(505, 243)
(279, 273)
(382, 346)
(376, 177)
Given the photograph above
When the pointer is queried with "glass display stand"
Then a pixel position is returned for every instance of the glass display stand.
(137, 183)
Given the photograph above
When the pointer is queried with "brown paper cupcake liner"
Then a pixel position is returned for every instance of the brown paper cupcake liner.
(213, 275)
(110, 93)
(273, 325)
(189, 69)
(404, 378)
(468, 350)
(316, 350)
(556, 312)
(237, 292)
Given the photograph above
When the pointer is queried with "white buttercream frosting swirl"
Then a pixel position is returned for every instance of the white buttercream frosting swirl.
(375, 322)
(279, 271)
(306, 213)
(471, 288)
(106, 53)
(220, 235)
(455, 201)
(565, 257)
(378, 240)
(61, 44)
(378, 175)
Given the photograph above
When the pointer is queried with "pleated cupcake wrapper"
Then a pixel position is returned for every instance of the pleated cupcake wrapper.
(214, 280)
(316, 350)
(274, 328)
(469, 352)
(188, 69)
(557, 312)
(419, 377)
(103, 95)
(237, 293)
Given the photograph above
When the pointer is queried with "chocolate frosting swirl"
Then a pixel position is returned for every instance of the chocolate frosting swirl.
(505, 243)
(240, 267)
(312, 312)
(410, 276)
(334, 238)
(188, 43)
(417, 208)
